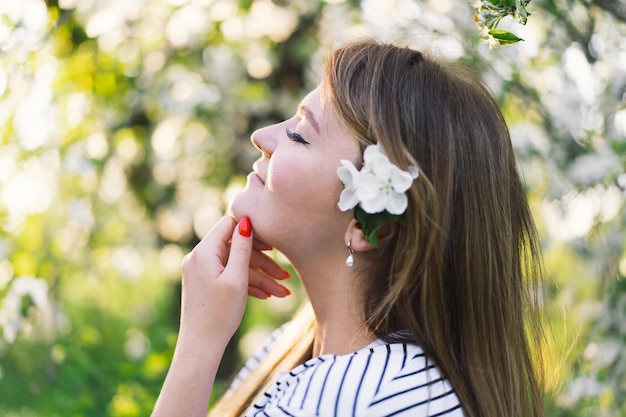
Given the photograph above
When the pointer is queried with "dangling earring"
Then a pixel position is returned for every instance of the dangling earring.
(350, 258)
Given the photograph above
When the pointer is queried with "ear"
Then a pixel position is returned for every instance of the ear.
(357, 240)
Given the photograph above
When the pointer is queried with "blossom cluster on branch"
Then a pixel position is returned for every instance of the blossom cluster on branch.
(489, 13)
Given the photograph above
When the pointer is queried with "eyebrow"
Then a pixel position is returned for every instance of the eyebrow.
(308, 114)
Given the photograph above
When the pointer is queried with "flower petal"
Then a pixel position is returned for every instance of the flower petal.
(347, 172)
(396, 203)
(367, 186)
(374, 205)
(400, 180)
(347, 199)
(381, 167)
(371, 152)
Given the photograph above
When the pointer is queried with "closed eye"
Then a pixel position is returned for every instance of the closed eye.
(296, 137)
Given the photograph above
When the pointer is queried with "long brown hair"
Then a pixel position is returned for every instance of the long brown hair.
(463, 275)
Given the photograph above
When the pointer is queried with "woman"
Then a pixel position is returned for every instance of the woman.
(419, 264)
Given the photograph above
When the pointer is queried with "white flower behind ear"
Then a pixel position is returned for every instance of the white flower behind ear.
(379, 186)
(377, 192)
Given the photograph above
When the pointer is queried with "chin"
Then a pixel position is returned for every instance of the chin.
(240, 207)
(233, 212)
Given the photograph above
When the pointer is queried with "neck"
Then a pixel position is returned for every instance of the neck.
(334, 293)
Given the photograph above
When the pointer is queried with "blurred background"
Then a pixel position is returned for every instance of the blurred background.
(124, 132)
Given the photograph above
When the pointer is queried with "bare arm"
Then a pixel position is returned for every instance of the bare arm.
(217, 277)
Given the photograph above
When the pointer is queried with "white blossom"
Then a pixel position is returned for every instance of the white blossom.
(379, 186)
(11, 319)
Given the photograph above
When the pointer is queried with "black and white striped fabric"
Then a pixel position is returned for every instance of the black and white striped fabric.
(379, 380)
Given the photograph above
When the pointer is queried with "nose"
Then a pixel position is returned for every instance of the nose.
(265, 139)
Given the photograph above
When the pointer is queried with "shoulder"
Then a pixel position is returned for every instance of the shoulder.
(413, 386)
(379, 380)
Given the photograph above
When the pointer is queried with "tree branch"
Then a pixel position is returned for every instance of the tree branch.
(582, 35)
(615, 7)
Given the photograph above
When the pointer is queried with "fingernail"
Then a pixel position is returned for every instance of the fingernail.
(287, 275)
(245, 227)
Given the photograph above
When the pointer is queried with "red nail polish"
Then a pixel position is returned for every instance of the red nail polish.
(245, 227)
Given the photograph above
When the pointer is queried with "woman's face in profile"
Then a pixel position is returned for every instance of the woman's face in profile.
(292, 193)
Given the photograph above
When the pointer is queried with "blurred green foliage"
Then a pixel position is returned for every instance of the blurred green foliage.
(124, 133)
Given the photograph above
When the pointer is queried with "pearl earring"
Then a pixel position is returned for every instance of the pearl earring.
(350, 258)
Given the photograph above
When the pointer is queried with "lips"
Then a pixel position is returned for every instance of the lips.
(253, 176)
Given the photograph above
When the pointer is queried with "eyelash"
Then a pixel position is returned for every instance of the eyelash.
(296, 137)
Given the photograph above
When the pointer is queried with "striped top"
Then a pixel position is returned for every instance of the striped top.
(381, 379)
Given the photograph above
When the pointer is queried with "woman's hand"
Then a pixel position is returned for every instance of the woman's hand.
(264, 272)
(218, 274)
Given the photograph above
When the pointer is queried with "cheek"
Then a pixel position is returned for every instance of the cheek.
(303, 184)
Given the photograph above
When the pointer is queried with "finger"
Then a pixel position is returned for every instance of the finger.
(240, 251)
(211, 253)
(219, 234)
(267, 284)
(257, 293)
(268, 266)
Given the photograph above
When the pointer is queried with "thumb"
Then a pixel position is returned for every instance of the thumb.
(240, 250)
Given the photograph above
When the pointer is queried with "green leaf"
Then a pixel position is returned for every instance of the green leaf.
(521, 14)
(504, 37)
(371, 223)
